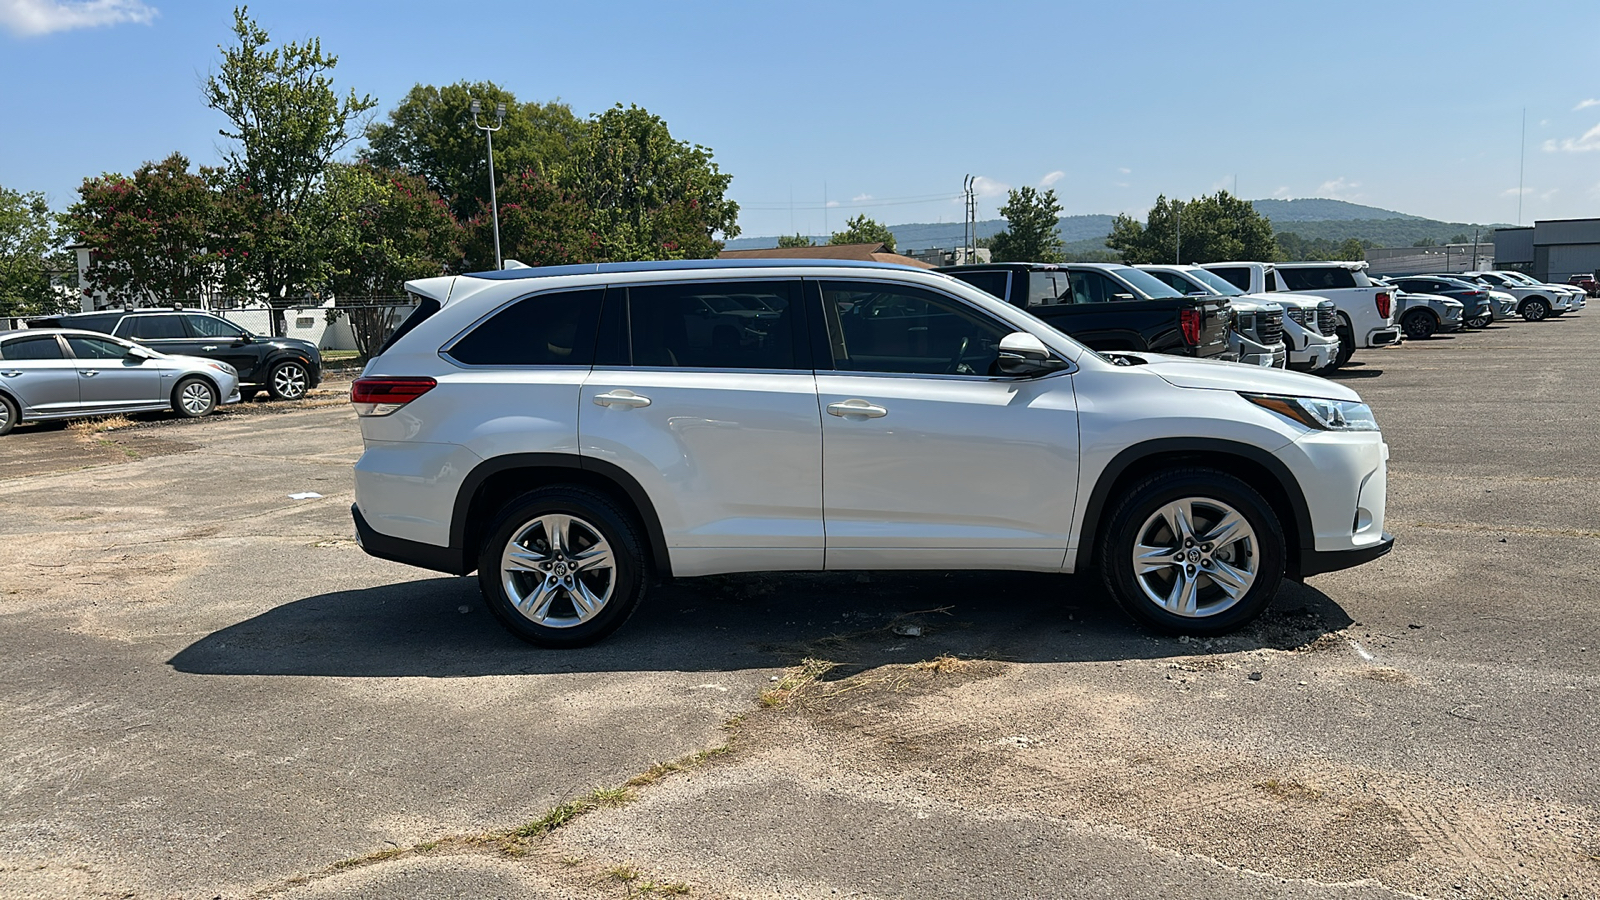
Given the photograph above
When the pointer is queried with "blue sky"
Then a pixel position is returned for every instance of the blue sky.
(1409, 106)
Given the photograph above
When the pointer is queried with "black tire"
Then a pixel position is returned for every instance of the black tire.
(10, 415)
(248, 394)
(1129, 525)
(1419, 325)
(194, 397)
(1479, 322)
(1347, 347)
(1535, 309)
(289, 380)
(564, 624)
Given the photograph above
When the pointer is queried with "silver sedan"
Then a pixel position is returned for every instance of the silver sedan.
(59, 373)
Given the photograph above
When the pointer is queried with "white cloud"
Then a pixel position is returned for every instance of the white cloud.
(1589, 141)
(988, 187)
(1512, 192)
(1281, 193)
(832, 203)
(29, 18)
(859, 198)
(1543, 122)
(1339, 189)
(1586, 104)
(1550, 193)
(1125, 171)
(1052, 178)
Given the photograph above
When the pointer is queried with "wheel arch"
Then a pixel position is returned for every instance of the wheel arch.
(495, 482)
(172, 396)
(1252, 465)
(16, 402)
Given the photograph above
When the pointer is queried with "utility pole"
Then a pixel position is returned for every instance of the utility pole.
(1522, 160)
(1474, 249)
(494, 203)
(1177, 250)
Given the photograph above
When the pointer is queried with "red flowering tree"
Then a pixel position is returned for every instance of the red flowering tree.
(540, 225)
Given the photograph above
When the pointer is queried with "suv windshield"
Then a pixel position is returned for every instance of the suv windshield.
(1217, 285)
(1150, 286)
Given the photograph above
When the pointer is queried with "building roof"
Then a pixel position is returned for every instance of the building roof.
(877, 252)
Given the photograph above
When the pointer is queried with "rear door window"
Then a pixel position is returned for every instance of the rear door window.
(552, 329)
(715, 325)
(1089, 286)
(1238, 276)
(989, 282)
(155, 328)
(1049, 288)
(44, 346)
(211, 326)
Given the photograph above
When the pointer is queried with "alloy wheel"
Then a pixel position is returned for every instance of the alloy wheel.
(290, 382)
(196, 398)
(1196, 557)
(558, 571)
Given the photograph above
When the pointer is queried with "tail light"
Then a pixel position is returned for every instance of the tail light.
(1383, 304)
(1189, 323)
(382, 396)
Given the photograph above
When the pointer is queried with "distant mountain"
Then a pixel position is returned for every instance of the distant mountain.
(1310, 219)
(1313, 209)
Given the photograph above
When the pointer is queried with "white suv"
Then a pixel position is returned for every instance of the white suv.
(574, 433)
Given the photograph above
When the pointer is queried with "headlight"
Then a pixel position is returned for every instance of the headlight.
(223, 367)
(1314, 412)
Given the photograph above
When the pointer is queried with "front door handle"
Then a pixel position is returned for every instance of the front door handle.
(11, 373)
(856, 408)
(621, 397)
(208, 348)
(88, 373)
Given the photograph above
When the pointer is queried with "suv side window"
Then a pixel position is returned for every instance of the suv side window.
(44, 346)
(1238, 276)
(211, 326)
(714, 325)
(990, 282)
(1089, 286)
(553, 329)
(881, 327)
(1175, 281)
(1049, 288)
(154, 328)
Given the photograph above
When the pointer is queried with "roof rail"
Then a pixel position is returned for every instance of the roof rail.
(680, 265)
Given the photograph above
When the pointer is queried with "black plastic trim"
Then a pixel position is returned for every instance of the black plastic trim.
(412, 553)
(1100, 495)
(1316, 562)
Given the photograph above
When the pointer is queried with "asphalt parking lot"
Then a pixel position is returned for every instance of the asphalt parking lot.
(209, 691)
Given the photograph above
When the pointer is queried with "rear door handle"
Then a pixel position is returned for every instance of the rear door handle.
(856, 408)
(208, 348)
(88, 373)
(621, 397)
(11, 373)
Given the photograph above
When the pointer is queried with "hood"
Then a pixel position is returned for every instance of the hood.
(288, 343)
(1214, 375)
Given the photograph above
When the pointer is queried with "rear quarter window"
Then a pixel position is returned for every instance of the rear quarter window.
(990, 282)
(1317, 278)
(553, 329)
(1238, 276)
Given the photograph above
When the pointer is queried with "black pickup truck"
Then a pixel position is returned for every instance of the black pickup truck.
(1108, 307)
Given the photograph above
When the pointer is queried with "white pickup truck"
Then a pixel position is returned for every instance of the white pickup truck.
(1365, 310)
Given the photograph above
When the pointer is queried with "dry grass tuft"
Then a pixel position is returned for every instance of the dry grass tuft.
(100, 424)
(794, 681)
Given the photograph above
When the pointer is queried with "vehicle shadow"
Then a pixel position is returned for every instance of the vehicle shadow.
(419, 629)
(1353, 370)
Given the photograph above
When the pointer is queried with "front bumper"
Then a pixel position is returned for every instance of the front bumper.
(1316, 562)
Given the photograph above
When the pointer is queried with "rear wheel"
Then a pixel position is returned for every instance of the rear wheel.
(1419, 325)
(563, 567)
(10, 415)
(1535, 309)
(1195, 551)
(194, 397)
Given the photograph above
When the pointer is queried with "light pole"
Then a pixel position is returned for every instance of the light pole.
(494, 204)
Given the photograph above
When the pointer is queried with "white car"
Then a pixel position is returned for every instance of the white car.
(1309, 348)
(1535, 301)
(61, 373)
(566, 433)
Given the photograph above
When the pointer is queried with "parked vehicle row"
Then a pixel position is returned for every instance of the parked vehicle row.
(574, 433)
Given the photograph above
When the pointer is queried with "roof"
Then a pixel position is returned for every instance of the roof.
(877, 252)
(680, 265)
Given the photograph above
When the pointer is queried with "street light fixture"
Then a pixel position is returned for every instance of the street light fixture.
(494, 204)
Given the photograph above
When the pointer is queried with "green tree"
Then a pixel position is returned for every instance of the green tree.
(540, 225)
(379, 229)
(863, 230)
(156, 236)
(1351, 249)
(649, 195)
(1425, 242)
(430, 133)
(800, 240)
(32, 265)
(1212, 228)
(1030, 234)
(288, 125)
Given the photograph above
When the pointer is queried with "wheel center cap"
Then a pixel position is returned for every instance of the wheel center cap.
(1194, 556)
(561, 568)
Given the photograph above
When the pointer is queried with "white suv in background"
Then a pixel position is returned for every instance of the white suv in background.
(1310, 349)
(574, 433)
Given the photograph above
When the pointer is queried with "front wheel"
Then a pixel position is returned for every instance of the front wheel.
(1194, 551)
(289, 381)
(563, 567)
(1419, 325)
(194, 397)
(1535, 309)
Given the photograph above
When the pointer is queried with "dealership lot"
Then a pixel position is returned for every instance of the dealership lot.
(210, 691)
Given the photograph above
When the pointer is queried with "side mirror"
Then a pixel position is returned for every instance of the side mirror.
(138, 353)
(1024, 354)
(1122, 296)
